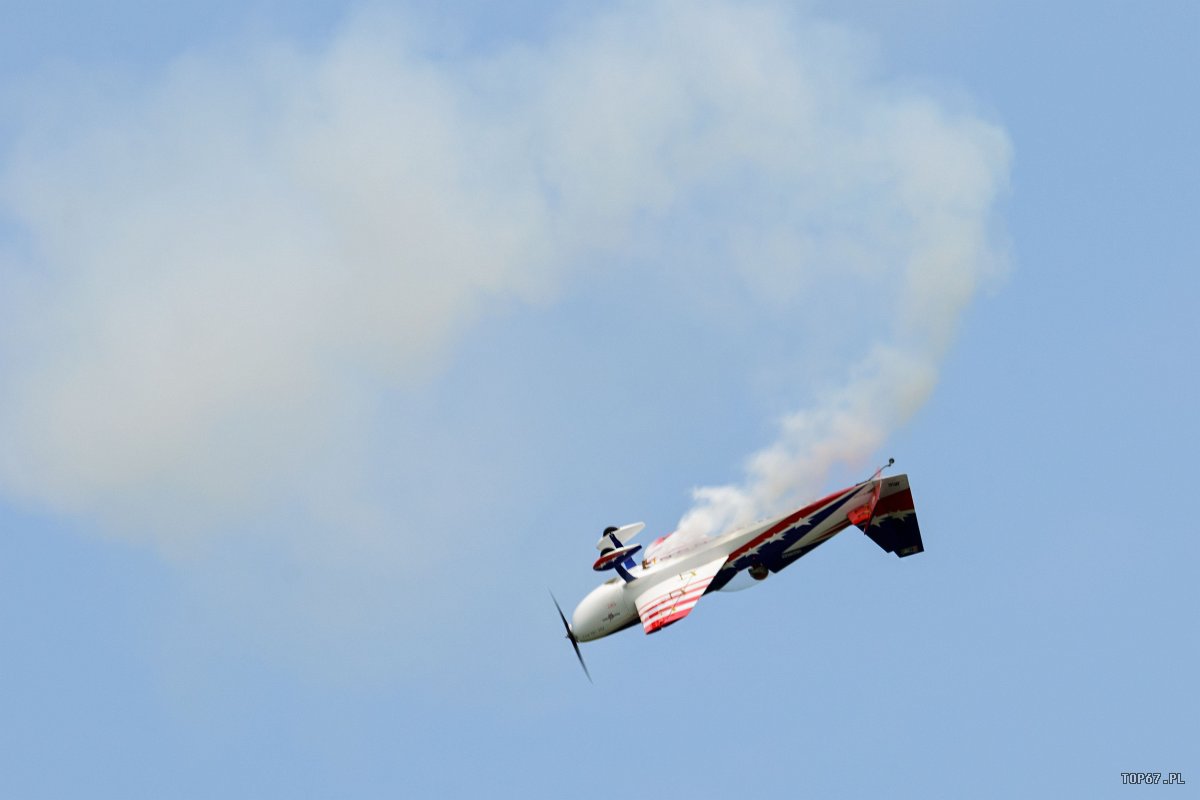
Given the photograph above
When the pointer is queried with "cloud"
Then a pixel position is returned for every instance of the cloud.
(219, 272)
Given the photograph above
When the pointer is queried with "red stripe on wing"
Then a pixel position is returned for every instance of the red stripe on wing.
(665, 621)
(696, 588)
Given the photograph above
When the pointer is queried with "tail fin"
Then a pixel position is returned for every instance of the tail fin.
(891, 521)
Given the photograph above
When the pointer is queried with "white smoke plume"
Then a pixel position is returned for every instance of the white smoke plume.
(944, 182)
(217, 271)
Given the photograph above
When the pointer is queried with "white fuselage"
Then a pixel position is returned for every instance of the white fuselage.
(611, 606)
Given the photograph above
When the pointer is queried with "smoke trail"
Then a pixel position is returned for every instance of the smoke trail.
(214, 256)
(947, 257)
(221, 270)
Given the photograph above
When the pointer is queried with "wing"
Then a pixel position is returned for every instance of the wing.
(672, 599)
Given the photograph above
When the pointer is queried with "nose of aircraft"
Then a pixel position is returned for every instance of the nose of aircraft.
(586, 618)
(579, 619)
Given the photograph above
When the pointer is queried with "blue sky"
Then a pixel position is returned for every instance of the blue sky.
(332, 338)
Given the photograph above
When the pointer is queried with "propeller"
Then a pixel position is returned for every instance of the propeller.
(571, 636)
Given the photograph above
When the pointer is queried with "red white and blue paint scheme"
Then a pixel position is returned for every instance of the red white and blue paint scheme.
(674, 574)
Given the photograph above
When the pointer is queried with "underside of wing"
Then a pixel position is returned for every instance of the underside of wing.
(672, 599)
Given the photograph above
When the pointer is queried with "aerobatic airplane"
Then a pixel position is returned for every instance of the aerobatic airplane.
(674, 574)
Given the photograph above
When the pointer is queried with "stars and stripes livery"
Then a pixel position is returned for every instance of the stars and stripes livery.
(674, 575)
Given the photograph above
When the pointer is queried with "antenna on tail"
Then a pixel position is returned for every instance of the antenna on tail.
(879, 471)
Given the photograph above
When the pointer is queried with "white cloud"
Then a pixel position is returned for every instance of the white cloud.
(221, 269)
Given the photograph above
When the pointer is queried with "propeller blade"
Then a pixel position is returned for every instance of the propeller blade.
(571, 636)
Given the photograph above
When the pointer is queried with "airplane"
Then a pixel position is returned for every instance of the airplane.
(675, 572)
